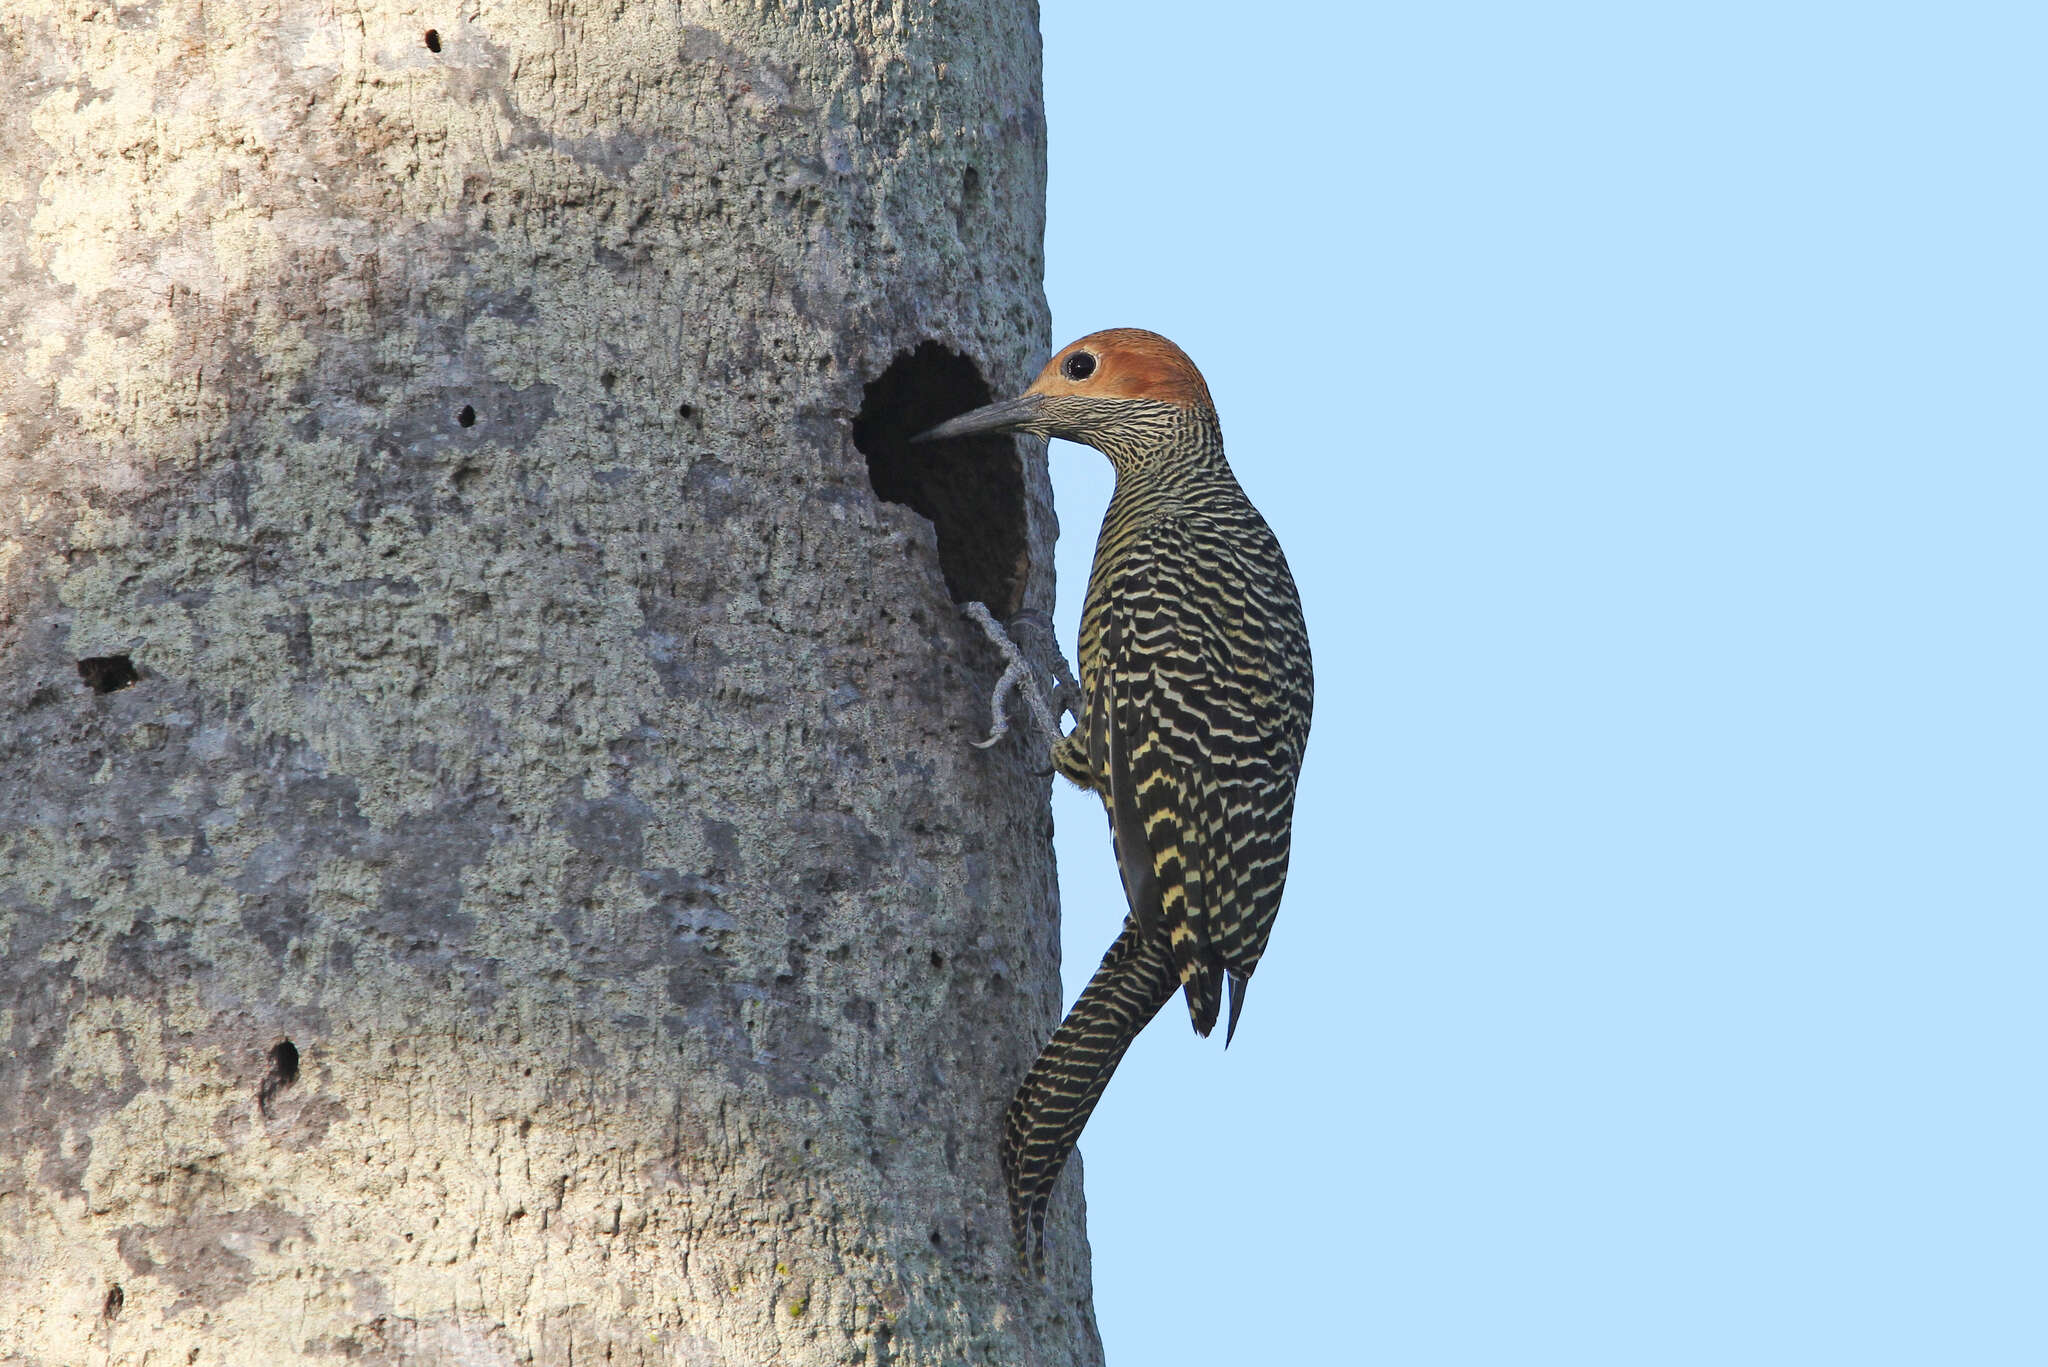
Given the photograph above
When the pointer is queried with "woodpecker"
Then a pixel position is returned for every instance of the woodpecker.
(1196, 692)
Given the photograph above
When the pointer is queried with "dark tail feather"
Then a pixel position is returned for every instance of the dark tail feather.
(1054, 1100)
(1237, 986)
(1205, 997)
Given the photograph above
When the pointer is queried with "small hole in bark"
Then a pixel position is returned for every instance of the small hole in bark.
(685, 412)
(972, 488)
(467, 417)
(433, 41)
(937, 1242)
(107, 673)
(938, 959)
(284, 1071)
(608, 379)
(110, 1308)
(970, 187)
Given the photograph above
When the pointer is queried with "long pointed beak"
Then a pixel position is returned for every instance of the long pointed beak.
(1011, 415)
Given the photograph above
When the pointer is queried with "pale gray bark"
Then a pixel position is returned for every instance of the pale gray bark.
(542, 732)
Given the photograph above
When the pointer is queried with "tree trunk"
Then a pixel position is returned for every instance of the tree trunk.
(494, 869)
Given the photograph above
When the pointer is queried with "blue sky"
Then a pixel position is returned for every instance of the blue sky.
(1650, 400)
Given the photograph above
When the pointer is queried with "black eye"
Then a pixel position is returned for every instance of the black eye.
(1078, 366)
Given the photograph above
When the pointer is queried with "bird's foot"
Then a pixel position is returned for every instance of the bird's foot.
(1018, 674)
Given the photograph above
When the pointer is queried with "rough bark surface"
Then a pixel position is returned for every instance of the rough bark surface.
(527, 895)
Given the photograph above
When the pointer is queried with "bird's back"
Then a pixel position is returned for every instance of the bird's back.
(1192, 638)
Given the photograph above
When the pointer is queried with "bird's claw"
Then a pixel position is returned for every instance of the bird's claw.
(1018, 675)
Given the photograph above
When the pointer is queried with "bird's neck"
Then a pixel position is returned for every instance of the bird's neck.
(1166, 448)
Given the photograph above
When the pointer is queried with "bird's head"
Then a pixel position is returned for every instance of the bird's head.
(1094, 390)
